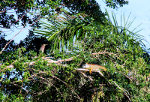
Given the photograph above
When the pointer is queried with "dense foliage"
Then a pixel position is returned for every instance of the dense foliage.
(12, 12)
(74, 31)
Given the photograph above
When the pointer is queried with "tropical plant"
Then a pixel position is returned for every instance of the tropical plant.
(76, 39)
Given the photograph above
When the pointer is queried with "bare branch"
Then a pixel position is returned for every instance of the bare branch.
(99, 53)
(16, 35)
(42, 49)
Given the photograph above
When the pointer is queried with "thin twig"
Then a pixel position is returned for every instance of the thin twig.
(73, 91)
(16, 35)
(126, 93)
(98, 53)
(67, 86)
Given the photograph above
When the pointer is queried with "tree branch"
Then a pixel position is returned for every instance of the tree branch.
(16, 35)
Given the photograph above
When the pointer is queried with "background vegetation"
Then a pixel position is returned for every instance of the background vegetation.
(77, 32)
